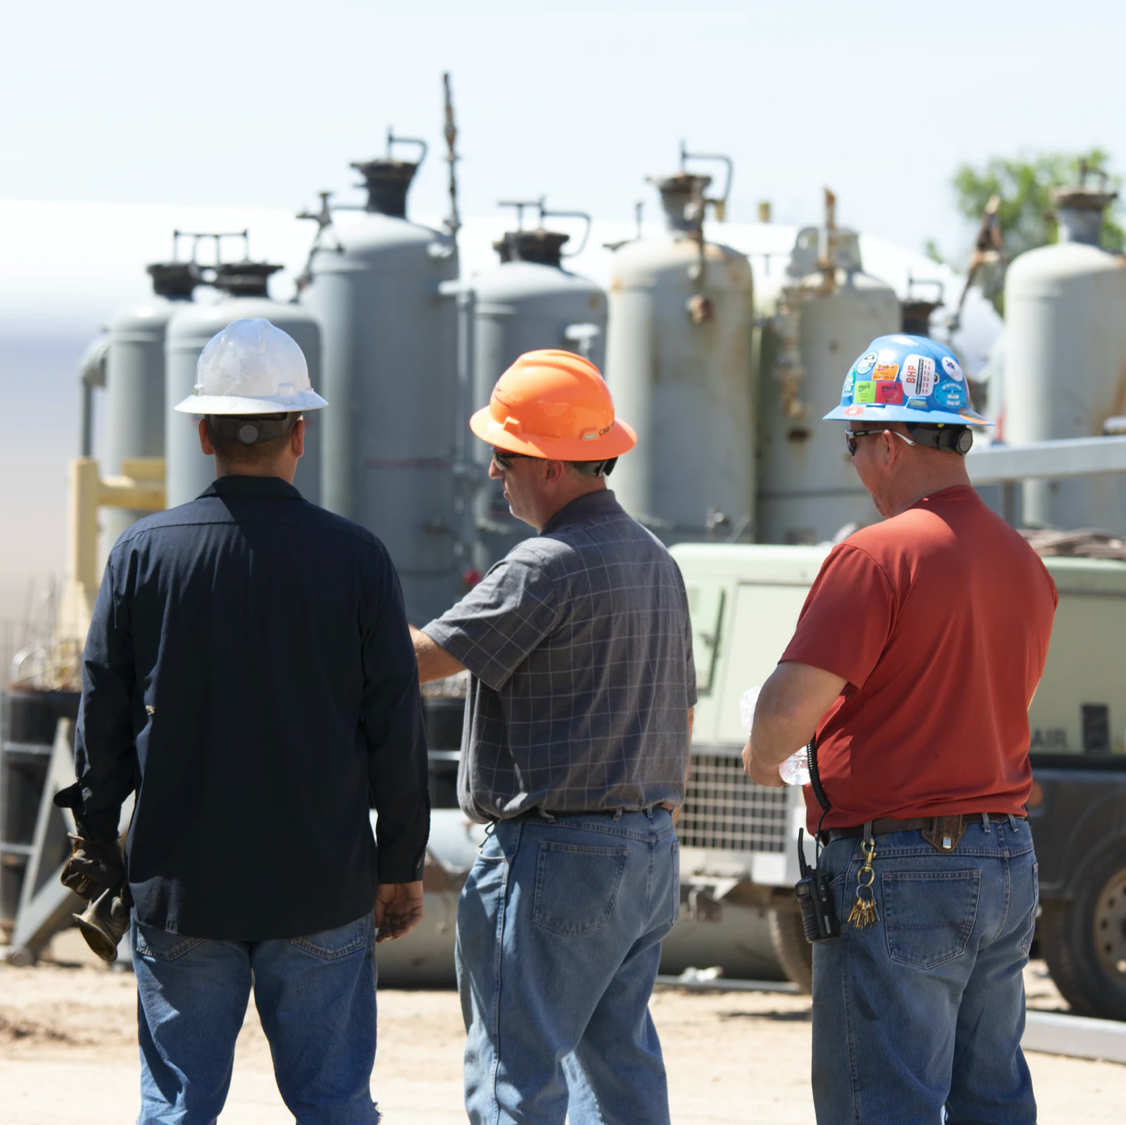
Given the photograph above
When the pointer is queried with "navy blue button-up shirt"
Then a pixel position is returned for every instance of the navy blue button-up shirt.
(250, 673)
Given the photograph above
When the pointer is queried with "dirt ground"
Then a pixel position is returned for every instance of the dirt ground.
(68, 1053)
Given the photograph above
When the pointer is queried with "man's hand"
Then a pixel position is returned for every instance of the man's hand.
(398, 909)
(792, 702)
(756, 771)
(93, 868)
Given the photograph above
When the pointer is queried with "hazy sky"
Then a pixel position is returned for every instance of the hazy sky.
(263, 103)
(256, 105)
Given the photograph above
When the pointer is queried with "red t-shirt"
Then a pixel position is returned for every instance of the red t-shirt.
(939, 620)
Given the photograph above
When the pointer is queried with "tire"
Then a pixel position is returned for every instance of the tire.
(794, 953)
(1084, 940)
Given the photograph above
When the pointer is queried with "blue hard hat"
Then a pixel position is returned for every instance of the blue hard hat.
(907, 379)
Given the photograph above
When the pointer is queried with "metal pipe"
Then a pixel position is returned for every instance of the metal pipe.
(86, 421)
(466, 471)
(91, 375)
(453, 223)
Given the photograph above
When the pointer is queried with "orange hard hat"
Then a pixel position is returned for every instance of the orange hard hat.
(553, 404)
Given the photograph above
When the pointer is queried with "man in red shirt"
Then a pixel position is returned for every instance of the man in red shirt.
(915, 658)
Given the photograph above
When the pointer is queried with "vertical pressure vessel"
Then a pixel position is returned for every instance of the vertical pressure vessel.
(246, 296)
(678, 361)
(390, 377)
(823, 316)
(1065, 359)
(135, 381)
(529, 301)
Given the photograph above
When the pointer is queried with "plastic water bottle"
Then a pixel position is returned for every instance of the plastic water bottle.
(747, 707)
(795, 769)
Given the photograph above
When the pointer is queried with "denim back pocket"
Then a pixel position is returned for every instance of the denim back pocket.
(159, 945)
(929, 916)
(330, 945)
(576, 887)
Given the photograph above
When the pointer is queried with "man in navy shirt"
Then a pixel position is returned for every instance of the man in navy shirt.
(249, 672)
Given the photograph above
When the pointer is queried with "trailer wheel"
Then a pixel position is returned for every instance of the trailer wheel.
(1084, 940)
(793, 951)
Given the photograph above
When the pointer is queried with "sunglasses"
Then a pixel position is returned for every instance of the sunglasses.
(503, 459)
(852, 435)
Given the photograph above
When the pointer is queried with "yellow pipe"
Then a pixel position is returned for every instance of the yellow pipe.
(139, 487)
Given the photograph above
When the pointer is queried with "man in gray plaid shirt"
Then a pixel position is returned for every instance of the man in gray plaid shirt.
(575, 750)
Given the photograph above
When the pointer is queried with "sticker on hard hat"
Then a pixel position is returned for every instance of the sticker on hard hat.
(918, 375)
(864, 392)
(866, 362)
(854, 411)
(950, 395)
(950, 366)
(887, 371)
(917, 403)
(850, 378)
(889, 392)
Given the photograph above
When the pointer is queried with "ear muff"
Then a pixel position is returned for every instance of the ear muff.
(949, 439)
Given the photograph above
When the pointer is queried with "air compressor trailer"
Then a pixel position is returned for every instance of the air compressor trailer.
(738, 838)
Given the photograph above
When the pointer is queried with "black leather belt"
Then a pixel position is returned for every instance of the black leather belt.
(553, 813)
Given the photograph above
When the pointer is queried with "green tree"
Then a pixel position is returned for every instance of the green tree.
(1025, 184)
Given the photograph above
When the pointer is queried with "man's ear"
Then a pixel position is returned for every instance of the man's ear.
(205, 439)
(893, 447)
(551, 470)
(297, 439)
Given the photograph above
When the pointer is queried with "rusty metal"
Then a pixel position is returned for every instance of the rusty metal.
(453, 223)
(717, 203)
(989, 251)
(700, 308)
(827, 255)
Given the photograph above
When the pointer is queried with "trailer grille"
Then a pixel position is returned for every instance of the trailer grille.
(724, 809)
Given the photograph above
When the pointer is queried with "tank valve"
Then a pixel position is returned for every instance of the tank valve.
(700, 308)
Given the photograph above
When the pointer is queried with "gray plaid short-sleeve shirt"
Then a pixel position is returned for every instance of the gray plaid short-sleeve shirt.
(579, 647)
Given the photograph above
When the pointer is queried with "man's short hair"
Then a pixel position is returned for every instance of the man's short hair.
(257, 439)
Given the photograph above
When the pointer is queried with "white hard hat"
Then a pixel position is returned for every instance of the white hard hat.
(251, 367)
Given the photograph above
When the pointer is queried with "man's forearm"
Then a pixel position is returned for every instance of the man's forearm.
(792, 702)
(434, 663)
(777, 733)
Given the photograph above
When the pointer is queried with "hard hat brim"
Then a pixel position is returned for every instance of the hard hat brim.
(621, 439)
(235, 404)
(870, 412)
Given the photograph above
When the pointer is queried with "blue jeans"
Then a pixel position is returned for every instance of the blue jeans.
(559, 932)
(316, 999)
(925, 1009)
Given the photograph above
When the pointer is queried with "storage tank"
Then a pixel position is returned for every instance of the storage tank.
(678, 361)
(1065, 358)
(528, 301)
(824, 314)
(245, 288)
(135, 381)
(390, 377)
